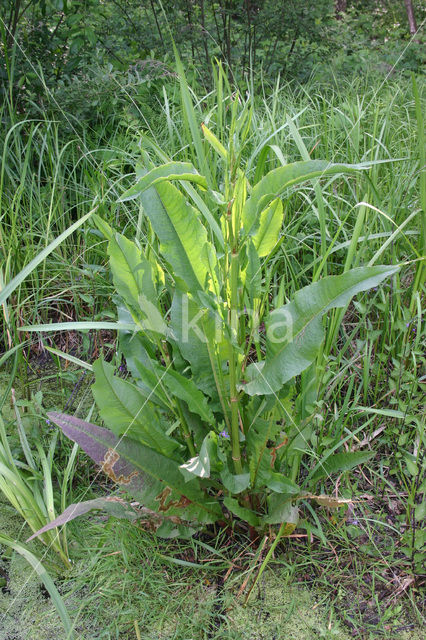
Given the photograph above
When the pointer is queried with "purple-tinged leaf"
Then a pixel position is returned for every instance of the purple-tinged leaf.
(113, 505)
(151, 478)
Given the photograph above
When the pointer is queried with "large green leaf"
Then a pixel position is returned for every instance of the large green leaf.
(152, 479)
(131, 272)
(133, 278)
(188, 188)
(206, 461)
(280, 509)
(278, 180)
(266, 236)
(151, 384)
(125, 409)
(134, 345)
(166, 527)
(194, 331)
(241, 512)
(234, 483)
(169, 171)
(340, 462)
(140, 355)
(182, 236)
(252, 276)
(295, 332)
(187, 390)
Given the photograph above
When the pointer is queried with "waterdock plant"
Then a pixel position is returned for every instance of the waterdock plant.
(213, 422)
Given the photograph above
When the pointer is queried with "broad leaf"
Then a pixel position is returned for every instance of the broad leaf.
(266, 236)
(281, 510)
(234, 483)
(278, 180)
(112, 505)
(340, 462)
(139, 353)
(279, 483)
(194, 331)
(170, 529)
(295, 332)
(127, 411)
(181, 234)
(187, 390)
(253, 274)
(151, 478)
(150, 381)
(169, 171)
(164, 526)
(206, 460)
(131, 273)
(241, 512)
(134, 344)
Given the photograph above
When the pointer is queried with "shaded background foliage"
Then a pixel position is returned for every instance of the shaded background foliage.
(66, 45)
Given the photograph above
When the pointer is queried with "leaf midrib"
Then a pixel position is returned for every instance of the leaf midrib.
(129, 413)
(321, 311)
(128, 264)
(187, 260)
(137, 465)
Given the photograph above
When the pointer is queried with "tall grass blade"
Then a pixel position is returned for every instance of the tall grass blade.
(45, 578)
(18, 279)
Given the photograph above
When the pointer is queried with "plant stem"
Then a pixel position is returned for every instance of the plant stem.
(266, 560)
(219, 383)
(233, 363)
(185, 429)
(233, 255)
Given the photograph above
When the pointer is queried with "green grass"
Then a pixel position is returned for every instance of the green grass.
(364, 571)
(122, 575)
(47, 182)
(344, 579)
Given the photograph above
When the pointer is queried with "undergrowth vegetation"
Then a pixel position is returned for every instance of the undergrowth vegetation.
(267, 212)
